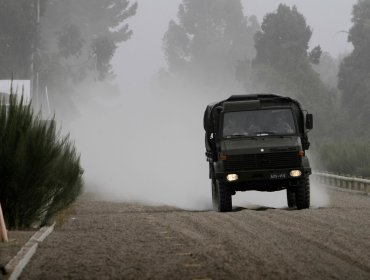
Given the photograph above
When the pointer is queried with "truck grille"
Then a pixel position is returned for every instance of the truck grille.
(262, 161)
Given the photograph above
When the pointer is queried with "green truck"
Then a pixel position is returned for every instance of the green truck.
(258, 142)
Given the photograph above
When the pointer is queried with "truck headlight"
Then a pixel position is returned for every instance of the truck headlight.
(232, 177)
(295, 173)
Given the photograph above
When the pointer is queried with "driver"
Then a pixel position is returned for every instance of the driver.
(283, 127)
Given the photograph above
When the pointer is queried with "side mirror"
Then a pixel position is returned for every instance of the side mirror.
(309, 121)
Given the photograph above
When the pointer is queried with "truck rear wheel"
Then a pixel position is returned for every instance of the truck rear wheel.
(221, 197)
(302, 194)
(290, 194)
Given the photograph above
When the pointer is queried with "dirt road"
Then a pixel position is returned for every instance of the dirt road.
(130, 241)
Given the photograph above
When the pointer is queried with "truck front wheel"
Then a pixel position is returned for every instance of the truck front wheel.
(302, 194)
(221, 197)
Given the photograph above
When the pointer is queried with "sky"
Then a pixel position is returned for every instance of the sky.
(137, 60)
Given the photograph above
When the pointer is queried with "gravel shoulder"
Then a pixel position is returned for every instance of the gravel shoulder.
(105, 240)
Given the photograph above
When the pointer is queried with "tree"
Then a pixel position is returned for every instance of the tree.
(103, 49)
(82, 28)
(354, 72)
(70, 42)
(208, 40)
(18, 37)
(283, 41)
(78, 41)
(315, 55)
(328, 69)
(283, 65)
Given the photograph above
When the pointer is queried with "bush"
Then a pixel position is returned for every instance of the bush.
(351, 156)
(40, 172)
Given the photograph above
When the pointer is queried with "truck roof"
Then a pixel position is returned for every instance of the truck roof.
(260, 97)
(266, 99)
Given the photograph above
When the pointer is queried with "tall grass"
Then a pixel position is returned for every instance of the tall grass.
(40, 172)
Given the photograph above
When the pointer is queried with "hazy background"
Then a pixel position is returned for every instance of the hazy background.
(130, 81)
(138, 59)
(148, 144)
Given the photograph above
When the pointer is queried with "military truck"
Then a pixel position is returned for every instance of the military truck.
(258, 142)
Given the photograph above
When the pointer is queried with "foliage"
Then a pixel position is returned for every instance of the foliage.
(346, 157)
(328, 69)
(354, 72)
(283, 65)
(73, 43)
(283, 40)
(315, 55)
(103, 49)
(78, 39)
(18, 37)
(70, 42)
(40, 171)
(82, 24)
(208, 40)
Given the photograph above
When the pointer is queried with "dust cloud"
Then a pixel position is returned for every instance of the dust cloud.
(147, 146)
(255, 200)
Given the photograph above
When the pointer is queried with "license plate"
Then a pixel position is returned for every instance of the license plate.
(277, 176)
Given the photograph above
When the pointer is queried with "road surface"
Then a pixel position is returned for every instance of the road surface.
(104, 240)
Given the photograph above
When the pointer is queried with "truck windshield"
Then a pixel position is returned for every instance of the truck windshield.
(259, 123)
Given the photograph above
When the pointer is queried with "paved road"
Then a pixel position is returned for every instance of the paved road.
(130, 241)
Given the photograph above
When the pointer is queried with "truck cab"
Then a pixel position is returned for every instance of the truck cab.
(258, 142)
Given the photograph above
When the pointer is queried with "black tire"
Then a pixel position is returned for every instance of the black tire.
(290, 195)
(214, 195)
(302, 194)
(222, 197)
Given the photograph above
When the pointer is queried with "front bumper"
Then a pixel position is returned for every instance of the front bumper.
(262, 175)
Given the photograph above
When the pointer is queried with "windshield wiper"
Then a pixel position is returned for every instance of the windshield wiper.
(240, 136)
(273, 134)
(265, 133)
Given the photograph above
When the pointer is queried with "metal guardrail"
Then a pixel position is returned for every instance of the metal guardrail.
(350, 183)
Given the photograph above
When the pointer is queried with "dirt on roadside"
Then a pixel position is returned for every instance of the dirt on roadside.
(8, 250)
(106, 240)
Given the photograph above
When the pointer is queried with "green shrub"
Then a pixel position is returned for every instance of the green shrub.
(40, 172)
(351, 156)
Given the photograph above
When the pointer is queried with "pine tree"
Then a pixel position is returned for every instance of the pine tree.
(208, 40)
(283, 64)
(354, 72)
(19, 37)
